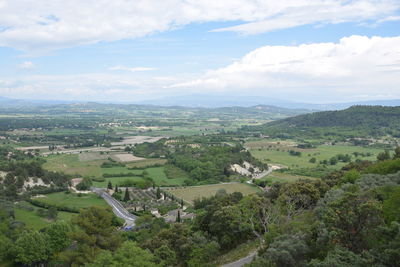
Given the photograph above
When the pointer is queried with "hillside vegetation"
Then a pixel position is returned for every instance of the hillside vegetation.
(372, 121)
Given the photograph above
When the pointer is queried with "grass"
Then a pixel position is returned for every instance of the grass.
(267, 152)
(30, 219)
(159, 177)
(117, 170)
(72, 200)
(115, 181)
(191, 193)
(33, 221)
(173, 172)
(70, 164)
(146, 163)
(156, 173)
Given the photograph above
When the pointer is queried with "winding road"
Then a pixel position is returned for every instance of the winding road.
(118, 209)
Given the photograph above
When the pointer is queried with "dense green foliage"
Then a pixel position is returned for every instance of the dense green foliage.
(211, 163)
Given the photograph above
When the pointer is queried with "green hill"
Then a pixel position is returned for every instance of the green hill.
(356, 121)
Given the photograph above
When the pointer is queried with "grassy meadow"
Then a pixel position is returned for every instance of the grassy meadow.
(88, 165)
(26, 213)
(191, 193)
(72, 200)
(278, 152)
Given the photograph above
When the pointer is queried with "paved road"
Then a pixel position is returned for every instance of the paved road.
(118, 209)
(242, 261)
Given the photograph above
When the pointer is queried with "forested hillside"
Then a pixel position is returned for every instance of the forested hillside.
(352, 122)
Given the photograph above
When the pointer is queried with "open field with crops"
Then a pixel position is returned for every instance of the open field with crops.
(194, 192)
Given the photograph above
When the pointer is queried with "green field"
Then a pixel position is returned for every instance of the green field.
(159, 177)
(272, 153)
(71, 164)
(156, 173)
(146, 162)
(33, 220)
(191, 193)
(72, 200)
(115, 181)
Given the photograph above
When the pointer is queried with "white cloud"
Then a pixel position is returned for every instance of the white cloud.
(26, 65)
(51, 24)
(356, 65)
(354, 68)
(390, 18)
(135, 69)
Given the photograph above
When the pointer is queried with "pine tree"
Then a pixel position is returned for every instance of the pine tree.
(178, 217)
(182, 203)
(116, 189)
(158, 193)
(109, 186)
(126, 197)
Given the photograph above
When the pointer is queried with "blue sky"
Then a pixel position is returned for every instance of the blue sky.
(329, 51)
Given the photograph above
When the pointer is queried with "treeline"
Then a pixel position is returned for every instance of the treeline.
(71, 140)
(46, 123)
(150, 150)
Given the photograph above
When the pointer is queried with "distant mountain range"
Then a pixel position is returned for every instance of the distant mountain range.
(11, 102)
(248, 101)
(210, 101)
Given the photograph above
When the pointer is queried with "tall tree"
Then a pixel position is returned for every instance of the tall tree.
(127, 197)
(94, 232)
(58, 236)
(397, 153)
(158, 193)
(383, 155)
(129, 254)
(32, 248)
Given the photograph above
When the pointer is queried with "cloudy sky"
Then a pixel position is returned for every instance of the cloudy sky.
(133, 50)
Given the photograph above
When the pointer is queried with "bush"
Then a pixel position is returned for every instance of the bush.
(85, 184)
(59, 207)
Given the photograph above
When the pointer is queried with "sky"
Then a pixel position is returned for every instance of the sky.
(315, 51)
